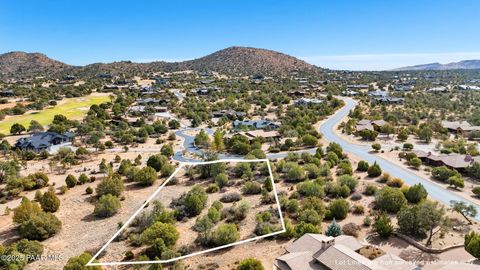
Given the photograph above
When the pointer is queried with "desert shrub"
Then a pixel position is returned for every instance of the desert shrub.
(292, 206)
(351, 229)
(370, 190)
(252, 187)
(107, 206)
(32, 249)
(212, 188)
(231, 197)
(311, 188)
(339, 208)
(374, 170)
(35, 181)
(26, 210)
(295, 173)
(349, 181)
(71, 181)
(358, 209)
(312, 170)
(167, 232)
(40, 227)
(367, 221)
(356, 197)
(146, 176)
(224, 234)
(221, 179)
(395, 182)
(383, 226)
(385, 178)
(416, 193)
(89, 190)
(49, 201)
(191, 203)
(167, 170)
(303, 228)
(203, 224)
(476, 191)
(443, 173)
(157, 162)
(243, 170)
(250, 264)
(79, 262)
(112, 185)
(236, 212)
(310, 216)
(83, 178)
(390, 199)
(362, 166)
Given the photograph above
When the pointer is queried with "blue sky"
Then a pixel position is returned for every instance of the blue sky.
(359, 35)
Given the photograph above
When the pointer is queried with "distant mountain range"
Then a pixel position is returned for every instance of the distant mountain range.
(466, 64)
(232, 60)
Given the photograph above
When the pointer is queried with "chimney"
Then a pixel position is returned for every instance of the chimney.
(326, 243)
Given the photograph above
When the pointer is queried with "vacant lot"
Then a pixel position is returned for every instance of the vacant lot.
(72, 108)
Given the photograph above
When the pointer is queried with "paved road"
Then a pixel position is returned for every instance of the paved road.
(437, 192)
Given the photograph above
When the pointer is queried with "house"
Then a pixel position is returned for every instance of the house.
(205, 90)
(321, 252)
(390, 100)
(41, 141)
(358, 86)
(378, 94)
(349, 92)
(437, 89)
(459, 127)
(465, 87)
(256, 124)
(308, 101)
(453, 161)
(7, 93)
(151, 101)
(297, 93)
(228, 113)
(370, 124)
(403, 87)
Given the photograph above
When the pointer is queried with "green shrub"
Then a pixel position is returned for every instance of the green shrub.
(79, 262)
(89, 190)
(374, 170)
(107, 206)
(224, 234)
(221, 179)
(40, 227)
(146, 176)
(167, 232)
(49, 201)
(33, 249)
(252, 187)
(362, 166)
(212, 188)
(71, 181)
(111, 185)
(83, 178)
(390, 199)
(250, 264)
(339, 208)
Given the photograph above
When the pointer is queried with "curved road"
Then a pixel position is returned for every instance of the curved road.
(435, 191)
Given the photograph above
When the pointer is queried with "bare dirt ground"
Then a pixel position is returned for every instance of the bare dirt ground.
(116, 250)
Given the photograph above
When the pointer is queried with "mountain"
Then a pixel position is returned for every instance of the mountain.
(248, 61)
(232, 60)
(466, 64)
(22, 63)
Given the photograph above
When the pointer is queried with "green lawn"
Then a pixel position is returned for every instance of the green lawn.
(72, 108)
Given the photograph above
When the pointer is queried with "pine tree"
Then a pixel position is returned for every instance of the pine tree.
(334, 229)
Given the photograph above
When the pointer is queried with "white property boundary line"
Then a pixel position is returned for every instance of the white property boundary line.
(91, 263)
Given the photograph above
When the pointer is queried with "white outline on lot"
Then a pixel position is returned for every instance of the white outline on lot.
(91, 263)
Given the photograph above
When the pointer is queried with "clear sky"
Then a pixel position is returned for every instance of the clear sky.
(359, 35)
